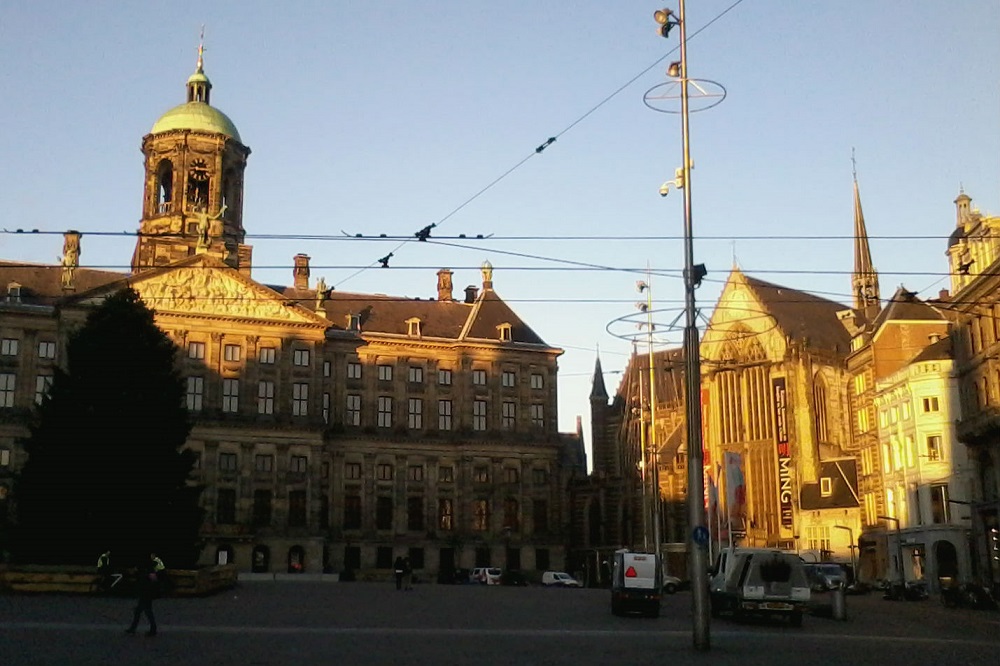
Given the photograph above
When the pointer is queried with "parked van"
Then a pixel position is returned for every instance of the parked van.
(485, 576)
(636, 583)
(559, 579)
(751, 581)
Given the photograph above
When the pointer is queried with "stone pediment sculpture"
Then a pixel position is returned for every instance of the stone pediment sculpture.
(210, 291)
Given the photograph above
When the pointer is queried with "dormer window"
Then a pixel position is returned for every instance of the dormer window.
(413, 327)
(825, 486)
(13, 292)
(504, 330)
(353, 322)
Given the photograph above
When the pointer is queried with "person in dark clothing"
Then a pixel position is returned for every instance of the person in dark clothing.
(407, 574)
(148, 587)
(398, 570)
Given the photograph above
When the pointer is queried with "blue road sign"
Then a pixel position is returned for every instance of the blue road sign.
(700, 535)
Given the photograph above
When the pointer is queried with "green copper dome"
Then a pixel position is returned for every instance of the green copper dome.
(197, 116)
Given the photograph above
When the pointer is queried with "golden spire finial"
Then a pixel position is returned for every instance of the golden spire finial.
(201, 49)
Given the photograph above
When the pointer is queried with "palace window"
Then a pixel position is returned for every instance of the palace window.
(507, 416)
(353, 370)
(300, 357)
(444, 377)
(415, 514)
(508, 379)
(511, 475)
(415, 413)
(46, 349)
(326, 408)
(537, 382)
(266, 355)
(297, 508)
(352, 471)
(352, 512)
(352, 416)
(537, 416)
(227, 462)
(230, 395)
(196, 350)
(383, 513)
(479, 415)
(479, 377)
(511, 514)
(300, 399)
(539, 476)
(263, 462)
(415, 473)
(195, 393)
(265, 398)
(930, 404)
(481, 515)
(384, 411)
(416, 375)
(444, 414)
(225, 506)
(446, 474)
(385, 373)
(261, 508)
(231, 353)
(540, 515)
(383, 472)
(446, 515)
(43, 383)
(481, 474)
(8, 347)
(298, 464)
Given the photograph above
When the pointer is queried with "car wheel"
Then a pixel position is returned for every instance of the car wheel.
(670, 588)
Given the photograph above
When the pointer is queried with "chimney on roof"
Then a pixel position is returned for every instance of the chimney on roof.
(301, 271)
(943, 295)
(471, 292)
(444, 284)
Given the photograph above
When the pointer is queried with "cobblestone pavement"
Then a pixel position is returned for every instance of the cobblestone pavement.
(367, 623)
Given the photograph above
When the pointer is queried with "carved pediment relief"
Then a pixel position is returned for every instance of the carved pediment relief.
(208, 291)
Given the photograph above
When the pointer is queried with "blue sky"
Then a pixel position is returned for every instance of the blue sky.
(381, 118)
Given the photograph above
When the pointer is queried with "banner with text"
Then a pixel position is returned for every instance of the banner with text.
(785, 484)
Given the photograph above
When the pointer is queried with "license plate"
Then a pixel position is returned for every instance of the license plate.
(773, 605)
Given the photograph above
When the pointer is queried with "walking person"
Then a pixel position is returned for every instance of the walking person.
(398, 570)
(148, 586)
(407, 574)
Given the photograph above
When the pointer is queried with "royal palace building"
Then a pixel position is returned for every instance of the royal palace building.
(334, 431)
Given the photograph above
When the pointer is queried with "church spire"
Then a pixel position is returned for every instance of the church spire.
(599, 392)
(864, 280)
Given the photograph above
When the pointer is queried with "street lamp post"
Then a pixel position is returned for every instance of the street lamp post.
(899, 552)
(850, 535)
(697, 543)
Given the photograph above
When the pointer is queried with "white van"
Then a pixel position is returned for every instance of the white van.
(485, 575)
(636, 583)
(559, 579)
(750, 581)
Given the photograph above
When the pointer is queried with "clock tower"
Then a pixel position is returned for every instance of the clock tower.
(193, 194)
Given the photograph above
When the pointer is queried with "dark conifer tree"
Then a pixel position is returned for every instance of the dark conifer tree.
(106, 465)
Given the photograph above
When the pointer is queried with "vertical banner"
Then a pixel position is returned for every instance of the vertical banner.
(785, 490)
(736, 489)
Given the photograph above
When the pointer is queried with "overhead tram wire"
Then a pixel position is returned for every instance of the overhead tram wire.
(425, 232)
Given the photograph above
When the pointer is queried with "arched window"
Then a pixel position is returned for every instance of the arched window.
(164, 186)
(819, 410)
(296, 559)
(261, 559)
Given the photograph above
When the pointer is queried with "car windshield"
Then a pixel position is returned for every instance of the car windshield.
(830, 570)
(561, 576)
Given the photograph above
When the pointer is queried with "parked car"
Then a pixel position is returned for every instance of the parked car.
(486, 575)
(514, 579)
(830, 574)
(559, 579)
(671, 583)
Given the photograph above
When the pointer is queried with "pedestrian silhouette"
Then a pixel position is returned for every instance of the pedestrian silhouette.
(148, 586)
(398, 570)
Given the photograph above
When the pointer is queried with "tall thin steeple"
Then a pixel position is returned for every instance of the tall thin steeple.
(864, 280)
(599, 392)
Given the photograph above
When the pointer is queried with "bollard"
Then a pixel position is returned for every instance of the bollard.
(839, 603)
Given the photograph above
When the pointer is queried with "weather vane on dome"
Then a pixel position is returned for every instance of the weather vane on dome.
(201, 49)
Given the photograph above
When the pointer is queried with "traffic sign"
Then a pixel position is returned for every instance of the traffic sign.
(700, 535)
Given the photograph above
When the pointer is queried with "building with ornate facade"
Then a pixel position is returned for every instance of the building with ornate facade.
(333, 430)
(974, 262)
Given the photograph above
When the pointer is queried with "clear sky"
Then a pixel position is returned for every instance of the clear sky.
(371, 117)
